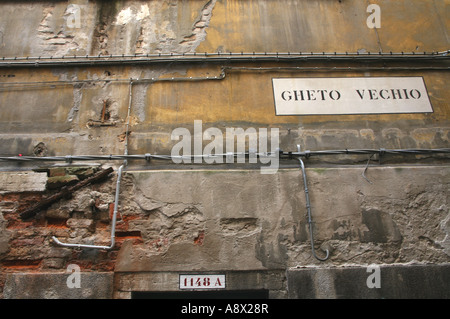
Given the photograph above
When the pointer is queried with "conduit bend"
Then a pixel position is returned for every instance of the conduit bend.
(116, 196)
(308, 209)
(148, 157)
(113, 223)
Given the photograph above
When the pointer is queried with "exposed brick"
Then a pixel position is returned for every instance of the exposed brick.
(83, 264)
(57, 213)
(8, 206)
(55, 263)
(111, 212)
(21, 264)
(17, 224)
(56, 171)
(11, 197)
(106, 266)
(81, 173)
(199, 239)
(80, 223)
(27, 242)
(57, 182)
(127, 218)
(129, 235)
(57, 223)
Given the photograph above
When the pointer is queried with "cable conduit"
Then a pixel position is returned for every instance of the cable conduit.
(282, 154)
(116, 196)
(308, 209)
(147, 157)
(113, 222)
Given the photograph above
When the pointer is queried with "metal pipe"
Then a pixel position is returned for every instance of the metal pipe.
(113, 222)
(116, 197)
(26, 85)
(214, 57)
(148, 156)
(308, 209)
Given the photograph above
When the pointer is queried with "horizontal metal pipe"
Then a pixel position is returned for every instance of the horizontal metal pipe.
(57, 241)
(145, 80)
(113, 222)
(222, 54)
(148, 156)
(5, 86)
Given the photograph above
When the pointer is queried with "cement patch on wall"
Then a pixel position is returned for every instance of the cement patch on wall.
(54, 286)
(396, 282)
(273, 280)
(22, 182)
(242, 220)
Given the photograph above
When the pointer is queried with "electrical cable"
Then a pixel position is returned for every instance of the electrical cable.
(281, 154)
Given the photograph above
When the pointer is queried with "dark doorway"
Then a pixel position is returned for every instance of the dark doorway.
(209, 294)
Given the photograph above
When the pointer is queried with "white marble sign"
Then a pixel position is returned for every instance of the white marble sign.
(358, 95)
(198, 282)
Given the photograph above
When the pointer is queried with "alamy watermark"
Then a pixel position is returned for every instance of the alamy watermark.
(373, 280)
(74, 279)
(190, 147)
(73, 16)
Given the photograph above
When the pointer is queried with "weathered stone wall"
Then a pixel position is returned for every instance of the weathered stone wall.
(231, 218)
(64, 117)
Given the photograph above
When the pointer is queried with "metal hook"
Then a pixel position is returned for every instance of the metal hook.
(308, 208)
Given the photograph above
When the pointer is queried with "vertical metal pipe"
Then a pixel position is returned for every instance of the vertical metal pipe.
(308, 209)
(130, 98)
(116, 206)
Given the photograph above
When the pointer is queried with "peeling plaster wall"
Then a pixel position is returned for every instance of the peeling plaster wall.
(259, 222)
(242, 99)
(317, 25)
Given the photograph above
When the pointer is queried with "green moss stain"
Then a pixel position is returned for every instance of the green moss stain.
(108, 10)
(319, 170)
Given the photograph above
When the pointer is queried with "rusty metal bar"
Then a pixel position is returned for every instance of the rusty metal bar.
(308, 209)
(113, 222)
(65, 192)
